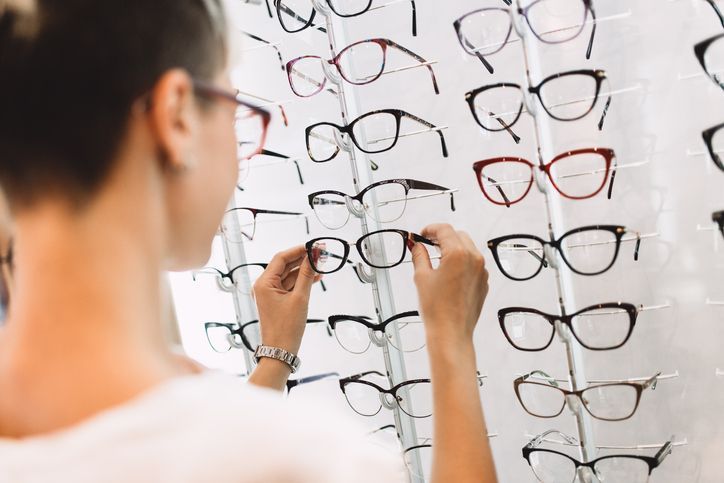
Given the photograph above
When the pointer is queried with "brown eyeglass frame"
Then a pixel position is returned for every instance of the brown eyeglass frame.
(638, 386)
(383, 43)
(608, 154)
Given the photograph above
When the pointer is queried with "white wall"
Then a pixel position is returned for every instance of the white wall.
(649, 46)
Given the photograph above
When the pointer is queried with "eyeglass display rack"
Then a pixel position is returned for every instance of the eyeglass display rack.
(571, 292)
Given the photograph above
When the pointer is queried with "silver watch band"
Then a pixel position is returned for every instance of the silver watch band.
(279, 354)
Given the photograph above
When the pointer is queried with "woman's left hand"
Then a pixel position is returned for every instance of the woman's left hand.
(282, 299)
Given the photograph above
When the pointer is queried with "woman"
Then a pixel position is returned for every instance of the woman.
(117, 166)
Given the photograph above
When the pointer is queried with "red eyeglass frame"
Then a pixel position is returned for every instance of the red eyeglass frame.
(608, 154)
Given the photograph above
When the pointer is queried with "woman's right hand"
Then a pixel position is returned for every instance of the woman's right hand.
(451, 296)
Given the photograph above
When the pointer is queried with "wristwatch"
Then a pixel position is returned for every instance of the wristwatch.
(279, 354)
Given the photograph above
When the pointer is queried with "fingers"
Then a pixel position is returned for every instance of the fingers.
(305, 279)
(445, 236)
(279, 263)
(421, 259)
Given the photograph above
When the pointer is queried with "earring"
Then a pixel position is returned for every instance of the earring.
(188, 164)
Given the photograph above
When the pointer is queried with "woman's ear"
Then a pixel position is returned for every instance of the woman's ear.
(172, 114)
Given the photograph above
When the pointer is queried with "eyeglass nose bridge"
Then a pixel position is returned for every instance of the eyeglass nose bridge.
(388, 400)
(529, 102)
(539, 175)
(342, 140)
(322, 7)
(377, 337)
(551, 256)
(331, 72)
(574, 404)
(563, 332)
(224, 284)
(585, 475)
(354, 206)
(235, 341)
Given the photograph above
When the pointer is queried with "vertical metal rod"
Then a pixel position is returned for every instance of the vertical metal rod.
(235, 255)
(381, 286)
(564, 282)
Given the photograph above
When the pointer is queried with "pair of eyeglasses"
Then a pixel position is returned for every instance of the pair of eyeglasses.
(598, 327)
(577, 175)
(251, 122)
(380, 249)
(568, 96)
(718, 218)
(240, 223)
(241, 278)
(223, 337)
(716, 11)
(486, 31)
(589, 250)
(384, 201)
(413, 397)
(405, 332)
(297, 15)
(372, 133)
(360, 63)
(714, 139)
(615, 401)
(710, 53)
(555, 467)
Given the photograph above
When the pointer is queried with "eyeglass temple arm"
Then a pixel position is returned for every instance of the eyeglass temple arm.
(269, 101)
(500, 190)
(717, 11)
(535, 442)
(533, 254)
(423, 185)
(638, 247)
(306, 380)
(664, 451)
(508, 2)
(414, 18)
(268, 9)
(613, 177)
(417, 58)
(363, 374)
(505, 125)
(651, 382)
(432, 127)
(480, 57)
(541, 375)
(299, 173)
(314, 82)
(605, 108)
(259, 39)
(593, 29)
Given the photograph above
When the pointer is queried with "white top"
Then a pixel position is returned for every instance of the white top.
(205, 428)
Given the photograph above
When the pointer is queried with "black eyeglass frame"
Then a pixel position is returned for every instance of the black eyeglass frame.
(408, 237)
(700, 52)
(708, 137)
(236, 329)
(349, 130)
(309, 22)
(617, 230)
(652, 462)
(357, 379)
(566, 320)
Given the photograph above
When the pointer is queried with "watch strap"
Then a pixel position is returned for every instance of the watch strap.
(279, 354)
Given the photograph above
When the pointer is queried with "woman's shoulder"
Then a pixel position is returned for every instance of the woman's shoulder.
(208, 427)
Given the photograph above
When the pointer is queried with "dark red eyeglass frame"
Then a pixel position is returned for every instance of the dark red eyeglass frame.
(608, 154)
(383, 43)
